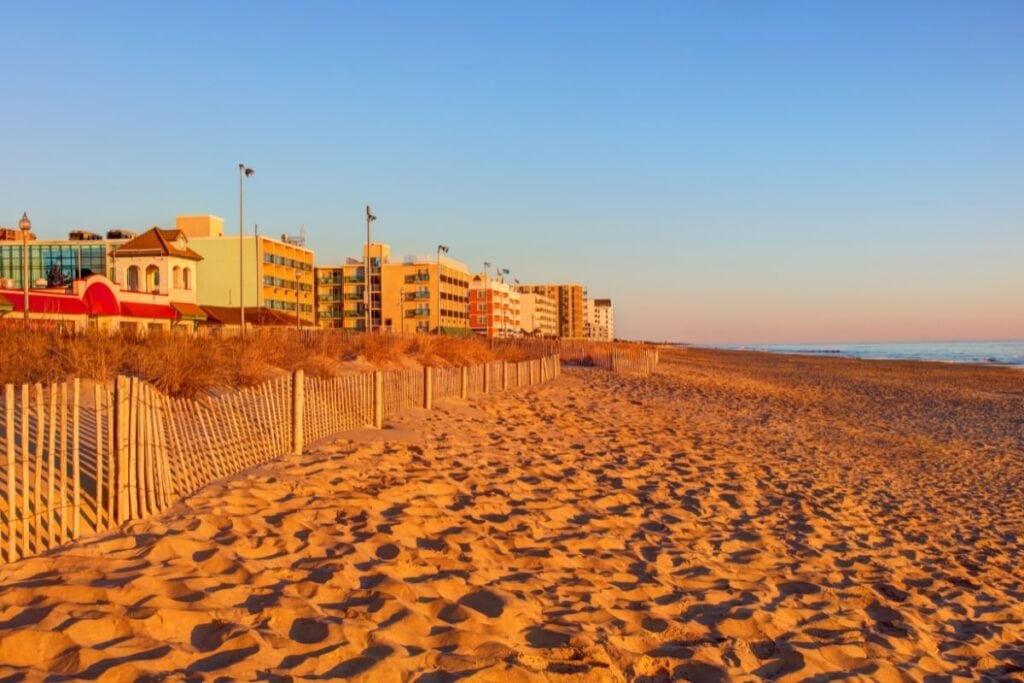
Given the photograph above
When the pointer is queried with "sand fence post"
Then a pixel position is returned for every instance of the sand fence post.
(120, 436)
(504, 375)
(487, 378)
(378, 399)
(464, 387)
(298, 404)
(428, 387)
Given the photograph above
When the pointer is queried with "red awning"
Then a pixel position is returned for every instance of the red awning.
(189, 311)
(46, 302)
(137, 310)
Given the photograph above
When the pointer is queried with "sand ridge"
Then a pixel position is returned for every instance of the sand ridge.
(735, 516)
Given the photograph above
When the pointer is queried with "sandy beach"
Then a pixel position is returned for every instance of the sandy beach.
(736, 516)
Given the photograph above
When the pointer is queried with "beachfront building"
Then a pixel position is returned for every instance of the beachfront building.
(55, 263)
(570, 302)
(493, 307)
(538, 315)
(276, 274)
(341, 296)
(425, 294)
(414, 294)
(158, 262)
(600, 320)
(95, 302)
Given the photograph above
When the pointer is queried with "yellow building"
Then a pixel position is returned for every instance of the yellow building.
(424, 294)
(416, 294)
(341, 296)
(276, 275)
(570, 301)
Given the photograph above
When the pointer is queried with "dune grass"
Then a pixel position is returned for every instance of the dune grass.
(189, 365)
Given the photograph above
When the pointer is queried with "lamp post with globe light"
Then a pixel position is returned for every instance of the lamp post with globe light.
(25, 224)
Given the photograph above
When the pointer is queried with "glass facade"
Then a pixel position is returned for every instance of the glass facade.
(58, 264)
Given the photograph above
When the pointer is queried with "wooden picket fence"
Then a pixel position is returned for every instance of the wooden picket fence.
(624, 358)
(81, 464)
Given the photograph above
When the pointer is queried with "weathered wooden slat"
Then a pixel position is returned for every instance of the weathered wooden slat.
(76, 460)
(37, 505)
(11, 491)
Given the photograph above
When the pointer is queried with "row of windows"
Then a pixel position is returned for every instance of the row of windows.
(288, 284)
(57, 264)
(181, 278)
(287, 306)
(452, 297)
(284, 261)
(453, 281)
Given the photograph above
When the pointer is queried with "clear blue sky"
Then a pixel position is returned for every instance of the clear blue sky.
(725, 172)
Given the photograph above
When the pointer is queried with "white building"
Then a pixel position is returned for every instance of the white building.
(600, 320)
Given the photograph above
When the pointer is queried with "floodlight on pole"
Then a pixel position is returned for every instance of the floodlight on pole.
(366, 270)
(440, 248)
(243, 173)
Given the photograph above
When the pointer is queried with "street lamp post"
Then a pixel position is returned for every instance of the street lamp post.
(502, 332)
(25, 224)
(440, 248)
(243, 173)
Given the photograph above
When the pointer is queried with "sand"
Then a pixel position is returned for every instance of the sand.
(735, 516)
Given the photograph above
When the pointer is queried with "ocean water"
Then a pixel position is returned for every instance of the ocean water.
(996, 352)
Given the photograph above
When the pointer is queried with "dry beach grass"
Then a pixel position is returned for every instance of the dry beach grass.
(735, 516)
(189, 365)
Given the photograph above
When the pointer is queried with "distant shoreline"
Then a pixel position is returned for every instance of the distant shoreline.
(986, 354)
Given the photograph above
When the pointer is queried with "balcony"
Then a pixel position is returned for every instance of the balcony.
(352, 297)
(417, 296)
(418, 277)
(354, 314)
(353, 278)
(418, 313)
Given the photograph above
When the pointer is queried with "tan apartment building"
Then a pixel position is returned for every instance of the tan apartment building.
(570, 304)
(416, 294)
(273, 274)
(538, 315)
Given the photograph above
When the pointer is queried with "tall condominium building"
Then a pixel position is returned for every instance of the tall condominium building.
(494, 309)
(273, 274)
(415, 294)
(538, 315)
(569, 299)
(600, 320)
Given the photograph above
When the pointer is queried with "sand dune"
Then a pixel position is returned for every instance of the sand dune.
(735, 516)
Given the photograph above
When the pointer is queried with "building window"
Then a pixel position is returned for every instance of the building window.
(186, 278)
(176, 277)
(133, 278)
(152, 279)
